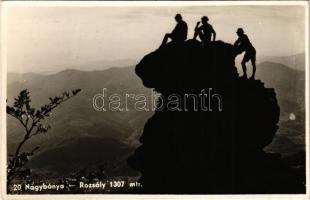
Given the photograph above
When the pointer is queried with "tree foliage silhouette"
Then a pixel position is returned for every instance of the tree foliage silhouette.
(31, 120)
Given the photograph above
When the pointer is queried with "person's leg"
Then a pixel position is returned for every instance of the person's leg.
(244, 68)
(238, 50)
(165, 40)
(253, 60)
(254, 68)
(208, 40)
(203, 39)
(245, 59)
(195, 35)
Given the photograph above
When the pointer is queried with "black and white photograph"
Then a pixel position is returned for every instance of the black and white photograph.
(154, 98)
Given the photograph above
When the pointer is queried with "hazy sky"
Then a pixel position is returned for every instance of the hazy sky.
(45, 39)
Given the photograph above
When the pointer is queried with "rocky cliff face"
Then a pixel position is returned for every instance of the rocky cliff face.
(212, 126)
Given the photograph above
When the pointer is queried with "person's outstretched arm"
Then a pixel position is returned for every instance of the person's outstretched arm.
(197, 30)
(197, 25)
(237, 42)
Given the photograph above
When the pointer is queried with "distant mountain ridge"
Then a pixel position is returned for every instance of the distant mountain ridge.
(77, 117)
(296, 62)
(92, 65)
(284, 80)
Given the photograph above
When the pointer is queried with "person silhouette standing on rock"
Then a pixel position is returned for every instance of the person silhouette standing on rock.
(243, 44)
(205, 31)
(179, 33)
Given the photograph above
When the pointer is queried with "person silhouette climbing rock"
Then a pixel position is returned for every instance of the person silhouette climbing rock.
(243, 44)
(205, 31)
(179, 33)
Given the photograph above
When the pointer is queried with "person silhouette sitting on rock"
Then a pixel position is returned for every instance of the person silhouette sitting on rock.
(243, 44)
(179, 33)
(205, 31)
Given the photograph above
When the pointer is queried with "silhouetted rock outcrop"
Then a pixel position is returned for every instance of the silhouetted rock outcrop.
(213, 151)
